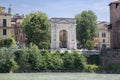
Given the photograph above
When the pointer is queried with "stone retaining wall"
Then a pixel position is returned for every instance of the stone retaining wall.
(110, 57)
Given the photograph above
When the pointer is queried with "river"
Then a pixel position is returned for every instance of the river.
(58, 76)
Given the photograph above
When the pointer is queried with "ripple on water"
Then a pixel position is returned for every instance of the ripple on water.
(59, 76)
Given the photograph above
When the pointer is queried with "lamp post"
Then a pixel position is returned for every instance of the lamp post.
(83, 43)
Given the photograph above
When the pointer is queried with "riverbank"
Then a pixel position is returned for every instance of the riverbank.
(33, 60)
(59, 76)
(65, 71)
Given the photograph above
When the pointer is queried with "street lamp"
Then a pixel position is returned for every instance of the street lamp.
(83, 43)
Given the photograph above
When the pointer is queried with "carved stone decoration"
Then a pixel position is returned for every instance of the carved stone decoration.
(63, 20)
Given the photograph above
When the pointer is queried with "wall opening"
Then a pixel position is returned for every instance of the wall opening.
(63, 39)
(117, 5)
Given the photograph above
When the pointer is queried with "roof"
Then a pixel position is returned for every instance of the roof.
(17, 16)
(13, 20)
(2, 7)
(3, 13)
(103, 25)
(63, 20)
(117, 1)
(103, 22)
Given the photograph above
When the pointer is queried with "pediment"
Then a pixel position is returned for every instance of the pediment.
(63, 20)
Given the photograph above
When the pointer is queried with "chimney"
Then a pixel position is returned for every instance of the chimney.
(9, 9)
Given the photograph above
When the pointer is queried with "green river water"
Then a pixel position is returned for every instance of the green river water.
(58, 76)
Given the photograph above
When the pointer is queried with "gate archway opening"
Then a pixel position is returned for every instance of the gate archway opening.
(63, 39)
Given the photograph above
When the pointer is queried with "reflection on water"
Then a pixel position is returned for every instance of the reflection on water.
(59, 76)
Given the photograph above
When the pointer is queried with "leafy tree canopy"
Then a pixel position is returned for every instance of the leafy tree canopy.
(36, 26)
(86, 26)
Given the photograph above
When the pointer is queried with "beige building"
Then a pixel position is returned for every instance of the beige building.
(6, 30)
(103, 40)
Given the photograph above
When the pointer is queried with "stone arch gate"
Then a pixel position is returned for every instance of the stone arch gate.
(63, 33)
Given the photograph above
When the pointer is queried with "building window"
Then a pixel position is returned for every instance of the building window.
(4, 22)
(103, 34)
(4, 31)
(117, 5)
(103, 40)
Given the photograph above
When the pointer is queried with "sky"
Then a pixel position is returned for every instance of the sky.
(60, 8)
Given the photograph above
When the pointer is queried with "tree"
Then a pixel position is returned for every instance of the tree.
(68, 60)
(48, 61)
(57, 60)
(22, 58)
(29, 58)
(35, 57)
(44, 45)
(89, 45)
(80, 62)
(36, 26)
(86, 26)
(7, 42)
(7, 60)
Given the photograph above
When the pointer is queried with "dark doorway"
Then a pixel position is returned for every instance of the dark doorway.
(63, 39)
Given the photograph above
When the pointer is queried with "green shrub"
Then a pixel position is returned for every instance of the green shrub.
(68, 60)
(35, 58)
(57, 60)
(44, 45)
(30, 58)
(111, 68)
(7, 60)
(89, 45)
(7, 42)
(1, 43)
(48, 61)
(74, 61)
(92, 68)
(22, 58)
(93, 59)
(80, 61)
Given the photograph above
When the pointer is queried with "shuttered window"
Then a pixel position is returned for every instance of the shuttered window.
(4, 31)
(4, 22)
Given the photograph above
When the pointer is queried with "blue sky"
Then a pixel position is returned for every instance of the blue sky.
(60, 8)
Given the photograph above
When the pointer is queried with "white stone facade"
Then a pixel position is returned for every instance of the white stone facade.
(66, 24)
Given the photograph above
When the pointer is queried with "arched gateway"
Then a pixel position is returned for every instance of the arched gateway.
(63, 39)
(63, 33)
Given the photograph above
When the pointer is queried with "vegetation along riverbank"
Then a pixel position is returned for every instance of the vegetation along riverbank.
(33, 60)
